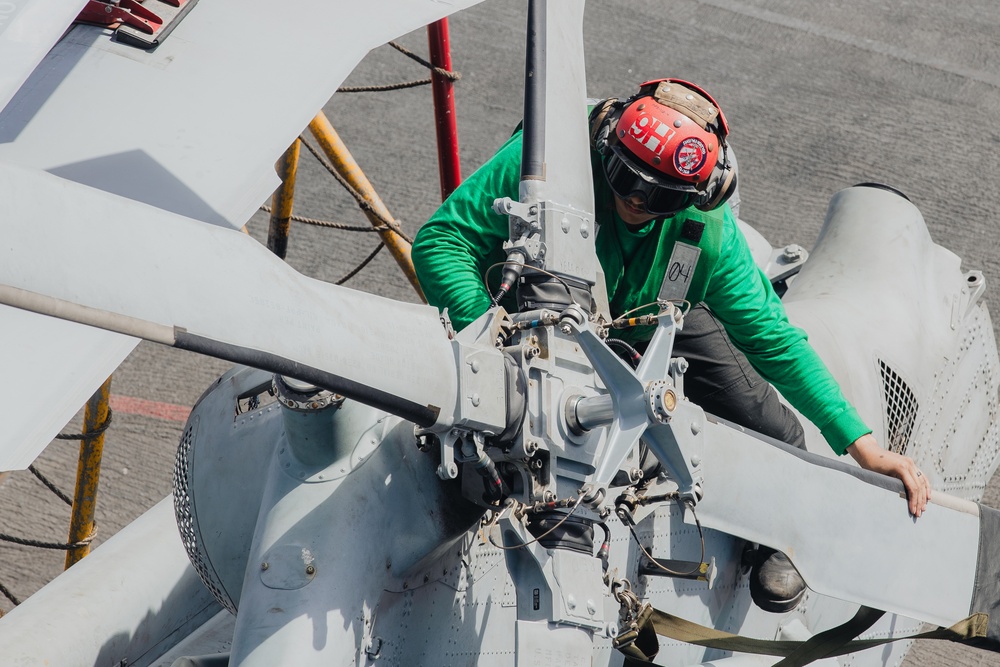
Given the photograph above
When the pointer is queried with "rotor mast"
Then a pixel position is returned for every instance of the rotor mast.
(552, 224)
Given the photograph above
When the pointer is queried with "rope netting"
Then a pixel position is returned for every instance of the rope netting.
(386, 224)
(64, 497)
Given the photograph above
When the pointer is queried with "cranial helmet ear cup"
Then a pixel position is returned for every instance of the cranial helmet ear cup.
(721, 185)
(601, 124)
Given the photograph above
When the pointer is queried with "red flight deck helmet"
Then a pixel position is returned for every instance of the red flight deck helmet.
(667, 145)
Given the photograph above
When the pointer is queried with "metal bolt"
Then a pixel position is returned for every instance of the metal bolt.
(310, 570)
(584, 228)
(695, 428)
(793, 253)
(695, 460)
(566, 328)
(265, 565)
(374, 648)
(474, 365)
(591, 607)
(564, 224)
(570, 602)
(475, 400)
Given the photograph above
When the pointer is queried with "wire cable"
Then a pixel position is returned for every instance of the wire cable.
(50, 485)
(327, 223)
(545, 534)
(362, 265)
(486, 278)
(363, 203)
(633, 354)
(701, 537)
(89, 434)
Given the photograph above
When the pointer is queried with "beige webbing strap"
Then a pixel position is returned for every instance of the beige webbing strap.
(689, 102)
(829, 643)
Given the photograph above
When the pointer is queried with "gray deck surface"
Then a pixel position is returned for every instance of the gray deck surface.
(819, 96)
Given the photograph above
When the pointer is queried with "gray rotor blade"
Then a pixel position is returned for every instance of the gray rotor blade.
(555, 104)
(91, 257)
(207, 145)
(28, 29)
(168, 127)
(854, 541)
(60, 361)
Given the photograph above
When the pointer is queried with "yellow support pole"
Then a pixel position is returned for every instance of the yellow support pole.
(282, 200)
(88, 473)
(347, 167)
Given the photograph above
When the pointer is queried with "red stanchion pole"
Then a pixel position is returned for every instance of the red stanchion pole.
(444, 108)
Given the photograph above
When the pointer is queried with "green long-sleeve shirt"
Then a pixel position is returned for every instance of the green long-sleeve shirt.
(454, 249)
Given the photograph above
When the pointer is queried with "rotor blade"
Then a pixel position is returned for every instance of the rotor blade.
(110, 262)
(555, 105)
(167, 127)
(855, 541)
(195, 125)
(28, 29)
(58, 365)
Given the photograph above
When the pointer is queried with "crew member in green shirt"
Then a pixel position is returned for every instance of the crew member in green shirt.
(663, 172)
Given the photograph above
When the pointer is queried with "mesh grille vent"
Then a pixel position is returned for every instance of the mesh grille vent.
(900, 409)
(187, 522)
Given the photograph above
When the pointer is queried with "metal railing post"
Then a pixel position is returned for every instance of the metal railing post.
(348, 168)
(282, 201)
(88, 472)
(449, 164)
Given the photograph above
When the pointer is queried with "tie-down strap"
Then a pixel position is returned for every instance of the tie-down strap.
(639, 649)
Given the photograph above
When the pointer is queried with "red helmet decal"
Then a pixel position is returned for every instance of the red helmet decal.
(650, 132)
(690, 156)
(666, 141)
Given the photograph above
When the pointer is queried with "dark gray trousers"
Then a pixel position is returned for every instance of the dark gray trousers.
(721, 380)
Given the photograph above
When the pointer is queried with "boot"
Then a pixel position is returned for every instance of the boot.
(775, 584)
